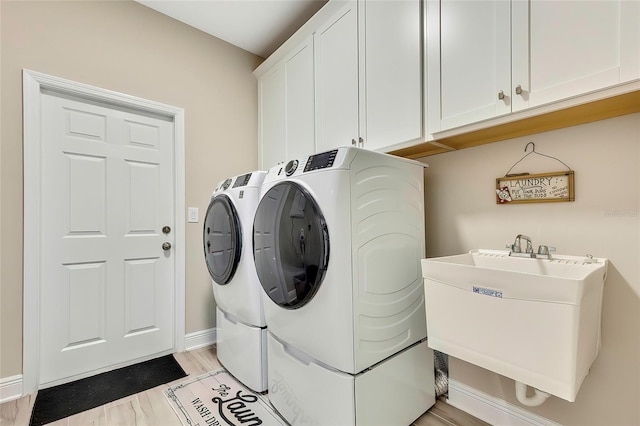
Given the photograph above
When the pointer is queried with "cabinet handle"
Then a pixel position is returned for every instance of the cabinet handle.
(360, 142)
(353, 142)
(501, 95)
(518, 90)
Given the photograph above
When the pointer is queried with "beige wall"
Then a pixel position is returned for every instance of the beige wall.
(126, 47)
(603, 221)
(129, 48)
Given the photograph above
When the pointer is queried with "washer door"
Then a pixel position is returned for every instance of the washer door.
(290, 245)
(222, 239)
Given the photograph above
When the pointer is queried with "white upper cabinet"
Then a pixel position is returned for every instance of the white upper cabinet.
(336, 65)
(352, 75)
(286, 107)
(469, 61)
(300, 102)
(572, 47)
(369, 75)
(391, 81)
(272, 118)
(488, 58)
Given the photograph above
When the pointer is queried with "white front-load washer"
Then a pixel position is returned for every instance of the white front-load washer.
(338, 239)
(240, 322)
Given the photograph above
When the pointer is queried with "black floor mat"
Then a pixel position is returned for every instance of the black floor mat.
(65, 400)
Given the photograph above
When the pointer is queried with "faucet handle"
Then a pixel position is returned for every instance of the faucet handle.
(515, 247)
(545, 250)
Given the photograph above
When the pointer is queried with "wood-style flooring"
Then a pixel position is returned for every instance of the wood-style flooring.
(150, 408)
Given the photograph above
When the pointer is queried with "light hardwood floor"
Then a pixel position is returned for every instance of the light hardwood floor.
(150, 408)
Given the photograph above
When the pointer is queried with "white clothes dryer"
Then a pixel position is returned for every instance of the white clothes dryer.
(240, 322)
(338, 239)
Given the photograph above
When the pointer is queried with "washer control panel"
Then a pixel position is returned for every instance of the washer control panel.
(242, 180)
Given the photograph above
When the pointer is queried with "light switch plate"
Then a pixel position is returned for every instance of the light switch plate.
(193, 215)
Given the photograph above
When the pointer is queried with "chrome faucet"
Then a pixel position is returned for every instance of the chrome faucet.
(516, 247)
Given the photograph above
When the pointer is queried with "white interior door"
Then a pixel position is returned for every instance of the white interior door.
(106, 283)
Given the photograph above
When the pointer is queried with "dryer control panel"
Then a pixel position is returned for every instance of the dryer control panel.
(321, 161)
(337, 158)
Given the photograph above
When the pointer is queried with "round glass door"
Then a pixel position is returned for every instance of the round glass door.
(222, 239)
(290, 245)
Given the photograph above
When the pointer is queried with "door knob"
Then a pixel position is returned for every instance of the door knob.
(166, 246)
(166, 229)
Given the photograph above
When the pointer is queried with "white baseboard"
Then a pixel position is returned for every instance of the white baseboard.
(491, 409)
(10, 388)
(200, 339)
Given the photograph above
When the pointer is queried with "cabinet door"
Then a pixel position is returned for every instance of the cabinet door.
(469, 61)
(272, 118)
(568, 48)
(287, 108)
(391, 78)
(300, 136)
(336, 65)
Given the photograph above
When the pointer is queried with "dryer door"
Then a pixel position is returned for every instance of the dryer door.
(222, 239)
(290, 245)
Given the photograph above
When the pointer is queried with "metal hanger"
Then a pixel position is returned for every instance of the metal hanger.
(533, 151)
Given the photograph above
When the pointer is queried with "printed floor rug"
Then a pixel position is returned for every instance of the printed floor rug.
(65, 400)
(218, 399)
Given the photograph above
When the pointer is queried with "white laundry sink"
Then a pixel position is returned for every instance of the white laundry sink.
(536, 321)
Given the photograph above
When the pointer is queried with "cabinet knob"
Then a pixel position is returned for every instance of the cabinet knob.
(360, 142)
(501, 95)
(518, 90)
(353, 142)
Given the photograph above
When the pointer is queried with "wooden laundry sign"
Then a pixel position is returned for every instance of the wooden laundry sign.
(538, 188)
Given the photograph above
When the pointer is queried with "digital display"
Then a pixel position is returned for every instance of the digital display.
(242, 180)
(321, 161)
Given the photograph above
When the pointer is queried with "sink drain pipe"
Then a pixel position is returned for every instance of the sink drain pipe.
(441, 373)
(530, 401)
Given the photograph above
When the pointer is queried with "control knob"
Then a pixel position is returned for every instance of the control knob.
(226, 184)
(291, 167)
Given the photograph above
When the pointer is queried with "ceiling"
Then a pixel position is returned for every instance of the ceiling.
(258, 26)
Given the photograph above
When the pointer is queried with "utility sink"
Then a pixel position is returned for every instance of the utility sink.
(534, 320)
